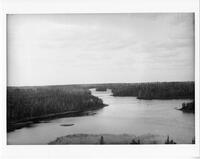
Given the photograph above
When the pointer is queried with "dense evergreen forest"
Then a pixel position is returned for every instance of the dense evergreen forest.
(101, 88)
(159, 90)
(24, 103)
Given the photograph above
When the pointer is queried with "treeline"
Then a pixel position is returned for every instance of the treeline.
(158, 90)
(101, 88)
(28, 102)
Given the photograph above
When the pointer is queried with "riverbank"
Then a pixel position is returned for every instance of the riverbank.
(110, 139)
(27, 122)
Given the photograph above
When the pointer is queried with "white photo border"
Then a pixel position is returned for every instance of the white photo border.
(95, 6)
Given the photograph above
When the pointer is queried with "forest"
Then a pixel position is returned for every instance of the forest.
(101, 88)
(24, 103)
(157, 90)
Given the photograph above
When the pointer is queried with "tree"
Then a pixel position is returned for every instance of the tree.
(168, 141)
(101, 140)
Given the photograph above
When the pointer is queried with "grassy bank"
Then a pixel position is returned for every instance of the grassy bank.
(113, 139)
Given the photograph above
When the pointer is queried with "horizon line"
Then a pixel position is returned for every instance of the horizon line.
(96, 83)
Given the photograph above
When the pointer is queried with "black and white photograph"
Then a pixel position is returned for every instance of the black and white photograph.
(100, 78)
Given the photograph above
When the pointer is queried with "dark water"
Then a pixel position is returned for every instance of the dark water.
(123, 115)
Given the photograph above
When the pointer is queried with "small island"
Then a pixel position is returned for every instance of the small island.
(188, 107)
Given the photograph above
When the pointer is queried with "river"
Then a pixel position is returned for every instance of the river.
(123, 115)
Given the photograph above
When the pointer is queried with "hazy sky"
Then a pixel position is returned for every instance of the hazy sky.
(100, 48)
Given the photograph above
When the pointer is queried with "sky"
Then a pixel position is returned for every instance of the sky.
(55, 49)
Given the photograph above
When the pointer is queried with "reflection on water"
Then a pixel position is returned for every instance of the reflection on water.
(123, 115)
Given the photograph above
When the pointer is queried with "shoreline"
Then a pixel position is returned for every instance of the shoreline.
(28, 121)
(153, 98)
